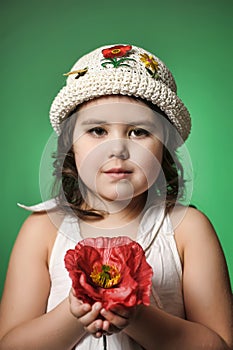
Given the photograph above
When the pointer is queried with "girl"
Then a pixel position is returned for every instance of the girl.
(119, 123)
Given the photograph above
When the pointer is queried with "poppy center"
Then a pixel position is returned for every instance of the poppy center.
(106, 277)
(116, 51)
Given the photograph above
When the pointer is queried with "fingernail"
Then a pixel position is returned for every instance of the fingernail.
(97, 306)
(103, 312)
(98, 327)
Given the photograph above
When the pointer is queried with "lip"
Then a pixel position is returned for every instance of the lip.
(118, 173)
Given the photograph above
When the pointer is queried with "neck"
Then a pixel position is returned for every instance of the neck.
(124, 222)
(119, 211)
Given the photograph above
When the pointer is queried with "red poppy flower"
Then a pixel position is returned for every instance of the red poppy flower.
(116, 51)
(111, 270)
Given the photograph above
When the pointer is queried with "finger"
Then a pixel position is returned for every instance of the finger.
(80, 310)
(122, 311)
(77, 307)
(91, 316)
(114, 319)
(109, 329)
(106, 327)
(95, 328)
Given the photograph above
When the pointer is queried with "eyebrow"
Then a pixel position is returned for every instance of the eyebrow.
(101, 122)
(93, 121)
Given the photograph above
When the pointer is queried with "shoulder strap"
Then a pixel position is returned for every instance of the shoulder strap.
(44, 206)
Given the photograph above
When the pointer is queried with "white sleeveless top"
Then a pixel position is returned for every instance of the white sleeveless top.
(156, 236)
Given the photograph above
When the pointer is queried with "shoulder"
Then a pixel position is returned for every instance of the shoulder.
(30, 256)
(185, 217)
(39, 232)
(196, 239)
(39, 222)
(192, 228)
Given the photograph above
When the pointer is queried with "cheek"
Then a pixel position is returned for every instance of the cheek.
(88, 160)
(148, 160)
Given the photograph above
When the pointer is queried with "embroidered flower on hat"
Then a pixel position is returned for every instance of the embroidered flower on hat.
(116, 56)
(79, 72)
(151, 64)
(116, 51)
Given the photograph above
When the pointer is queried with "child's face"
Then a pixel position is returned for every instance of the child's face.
(118, 143)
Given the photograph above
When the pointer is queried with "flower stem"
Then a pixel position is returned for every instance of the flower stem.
(105, 342)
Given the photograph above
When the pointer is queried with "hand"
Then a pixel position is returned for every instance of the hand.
(87, 315)
(117, 319)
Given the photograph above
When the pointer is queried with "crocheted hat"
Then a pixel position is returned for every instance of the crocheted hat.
(121, 69)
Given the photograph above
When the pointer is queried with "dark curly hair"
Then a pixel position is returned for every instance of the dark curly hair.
(70, 190)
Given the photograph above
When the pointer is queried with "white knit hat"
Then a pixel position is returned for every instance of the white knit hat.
(126, 70)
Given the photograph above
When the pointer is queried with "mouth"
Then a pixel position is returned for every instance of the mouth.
(118, 173)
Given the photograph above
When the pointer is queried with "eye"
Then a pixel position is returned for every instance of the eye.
(138, 133)
(97, 131)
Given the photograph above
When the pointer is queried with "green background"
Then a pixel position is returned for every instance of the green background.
(40, 40)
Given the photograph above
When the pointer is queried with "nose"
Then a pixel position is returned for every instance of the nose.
(118, 148)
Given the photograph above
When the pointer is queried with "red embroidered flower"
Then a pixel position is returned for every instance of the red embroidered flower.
(111, 270)
(116, 51)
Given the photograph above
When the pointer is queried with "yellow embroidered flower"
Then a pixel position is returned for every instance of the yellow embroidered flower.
(150, 63)
(79, 72)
